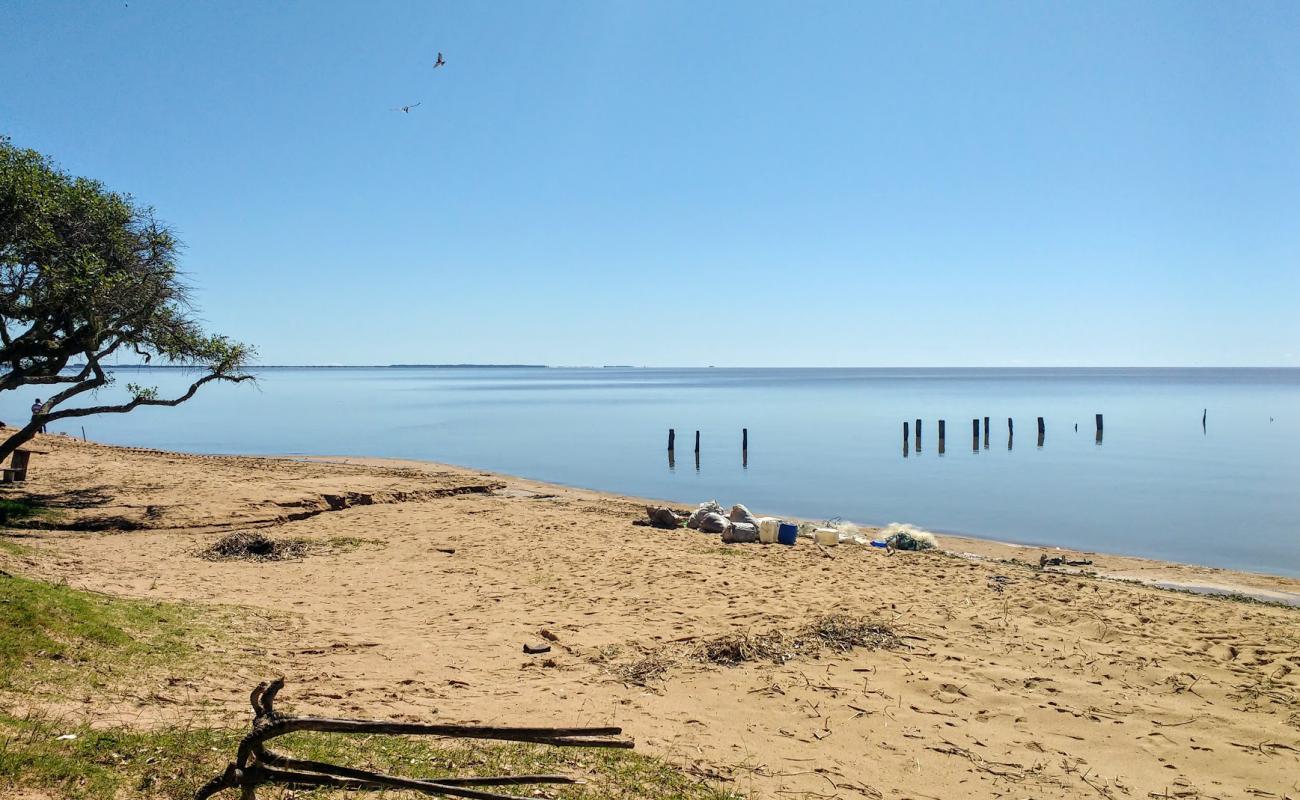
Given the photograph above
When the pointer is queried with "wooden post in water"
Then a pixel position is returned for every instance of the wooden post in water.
(986, 433)
(672, 439)
(906, 438)
(918, 436)
(975, 435)
(1011, 431)
(1042, 431)
(1099, 423)
(942, 433)
(1204, 412)
(744, 438)
(697, 443)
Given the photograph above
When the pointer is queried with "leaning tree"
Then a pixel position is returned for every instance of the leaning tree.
(84, 273)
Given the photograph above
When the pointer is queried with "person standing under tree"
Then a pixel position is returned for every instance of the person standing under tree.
(38, 408)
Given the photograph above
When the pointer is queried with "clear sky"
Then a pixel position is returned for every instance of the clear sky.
(665, 183)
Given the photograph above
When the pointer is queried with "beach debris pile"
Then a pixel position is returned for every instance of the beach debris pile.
(709, 518)
(254, 546)
(735, 525)
(665, 518)
(898, 536)
(1045, 561)
(738, 525)
(257, 765)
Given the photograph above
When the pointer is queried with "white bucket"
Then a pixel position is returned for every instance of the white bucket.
(827, 537)
(767, 529)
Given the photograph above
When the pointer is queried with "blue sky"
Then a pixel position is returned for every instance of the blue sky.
(748, 184)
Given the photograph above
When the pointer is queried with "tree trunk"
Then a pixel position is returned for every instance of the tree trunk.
(20, 437)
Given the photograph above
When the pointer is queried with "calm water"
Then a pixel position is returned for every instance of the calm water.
(822, 443)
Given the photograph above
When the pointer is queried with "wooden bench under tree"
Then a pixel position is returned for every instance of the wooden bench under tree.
(17, 469)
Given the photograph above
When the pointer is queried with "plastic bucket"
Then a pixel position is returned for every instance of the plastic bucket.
(827, 537)
(767, 527)
(787, 533)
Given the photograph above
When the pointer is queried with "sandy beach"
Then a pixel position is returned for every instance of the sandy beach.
(1007, 680)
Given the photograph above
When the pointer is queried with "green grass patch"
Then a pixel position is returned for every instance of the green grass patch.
(50, 633)
(119, 764)
(12, 548)
(108, 764)
(15, 512)
(346, 544)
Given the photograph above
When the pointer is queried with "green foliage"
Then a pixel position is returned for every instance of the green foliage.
(142, 392)
(49, 632)
(84, 272)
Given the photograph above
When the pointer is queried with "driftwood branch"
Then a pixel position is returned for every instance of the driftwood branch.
(255, 764)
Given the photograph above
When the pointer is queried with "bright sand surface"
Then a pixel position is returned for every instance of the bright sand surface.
(1013, 681)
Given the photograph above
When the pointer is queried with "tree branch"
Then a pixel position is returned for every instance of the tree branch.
(142, 401)
(99, 380)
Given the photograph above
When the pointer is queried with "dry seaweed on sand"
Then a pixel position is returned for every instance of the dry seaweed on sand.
(254, 546)
(844, 632)
(648, 667)
(838, 633)
(737, 648)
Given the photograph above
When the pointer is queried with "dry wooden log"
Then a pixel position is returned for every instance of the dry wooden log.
(256, 765)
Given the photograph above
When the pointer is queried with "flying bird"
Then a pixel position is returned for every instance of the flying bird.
(407, 109)
(439, 62)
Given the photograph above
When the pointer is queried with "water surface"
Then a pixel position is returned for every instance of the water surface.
(822, 443)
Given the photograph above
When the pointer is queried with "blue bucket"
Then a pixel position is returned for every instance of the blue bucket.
(787, 534)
